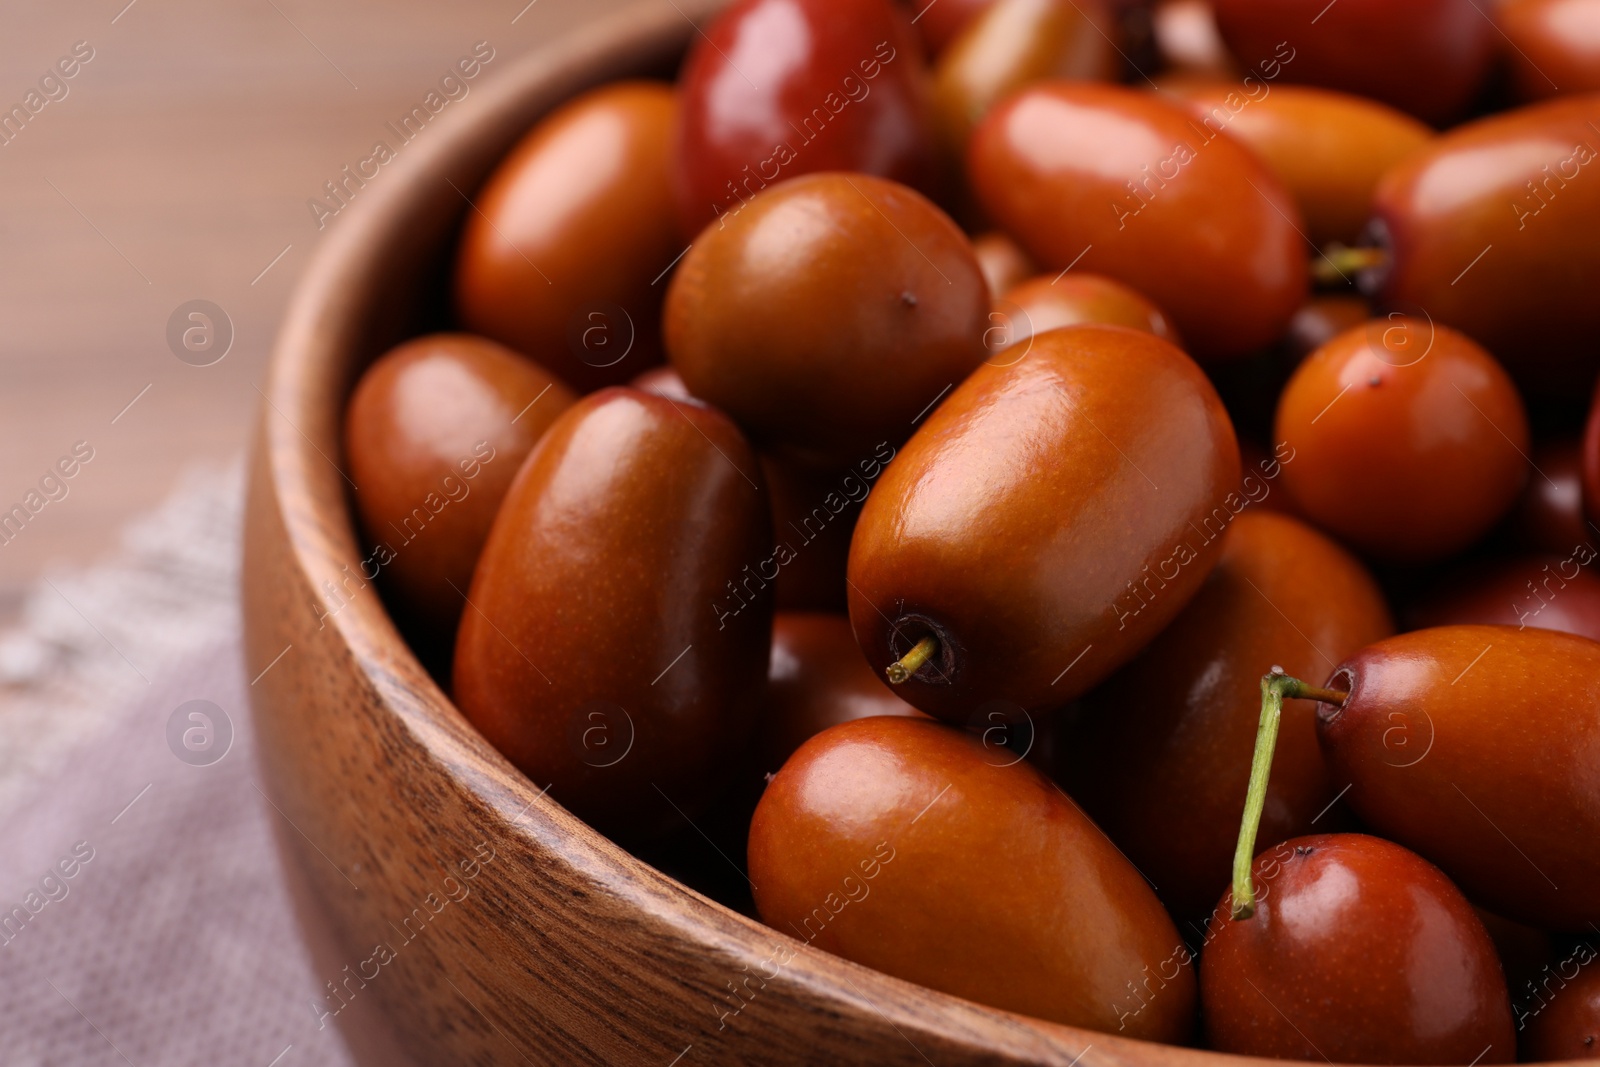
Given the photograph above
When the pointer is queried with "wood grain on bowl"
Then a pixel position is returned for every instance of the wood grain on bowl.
(488, 924)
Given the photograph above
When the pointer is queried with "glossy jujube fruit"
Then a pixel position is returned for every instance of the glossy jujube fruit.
(1048, 518)
(1410, 440)
(817, 678)
(434, 434)
(603, 653)
(1545, 592)
(828, 314)
(1049, 302)
(1330, 149)
(1127, 184)
(1427, 57)
(1555, 46)
(560, 250)
(1160, 755)
(778, 88)
(1477, 747)
(1012, 44)
(1566, 1026)
(913, 848)
(662, 381)
(1490, 228)
(1358, 952)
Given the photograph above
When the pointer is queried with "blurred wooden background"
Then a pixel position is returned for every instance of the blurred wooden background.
(177, 166)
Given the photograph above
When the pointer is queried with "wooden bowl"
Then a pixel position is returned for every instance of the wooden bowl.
(489, 924)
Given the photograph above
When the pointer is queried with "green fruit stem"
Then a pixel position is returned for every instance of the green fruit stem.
(1274, 688)
(912, 661)
(1337, 264)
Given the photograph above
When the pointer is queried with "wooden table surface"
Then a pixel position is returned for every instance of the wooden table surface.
(174, 165)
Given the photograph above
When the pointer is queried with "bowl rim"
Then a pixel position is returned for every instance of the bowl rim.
(323, 342)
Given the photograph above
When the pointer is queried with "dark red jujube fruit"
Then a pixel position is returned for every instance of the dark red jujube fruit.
(1428, 57)
(1359, 951)
(773, 89)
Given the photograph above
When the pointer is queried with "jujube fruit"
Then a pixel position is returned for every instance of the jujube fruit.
(773, 89)
(827, 315)
(1410, 440)
(1330, 149)
(1545, 592)
(561, 248)
(1127, 184)
(914, 848)
(1358, 952)
(1012, 44)
(1567, 1026)
(434, 434)
(1049, 302)
(1048, 518)
(600, 652)
(817, 679)
(1555, 46)
(1476, 746)
(1490, 229)
(1428, 57)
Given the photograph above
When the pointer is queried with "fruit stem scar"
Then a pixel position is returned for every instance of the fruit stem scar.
(912, 661)
(1274, 688)
(1336, 265)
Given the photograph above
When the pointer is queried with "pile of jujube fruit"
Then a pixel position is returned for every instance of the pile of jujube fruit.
(1086, 505)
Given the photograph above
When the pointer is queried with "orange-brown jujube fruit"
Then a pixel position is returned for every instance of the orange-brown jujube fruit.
(1490, 229)
(1555, 47)
(911, 847)
(1329, 148)
(563, 245)
(602, 652)
(1410, 440)
(1049, 302)
(827, 313)
(1003, 262)
(1566, 1026)
(1113, 181)
(434, 434)
(1049, 518)
(1475, 746)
